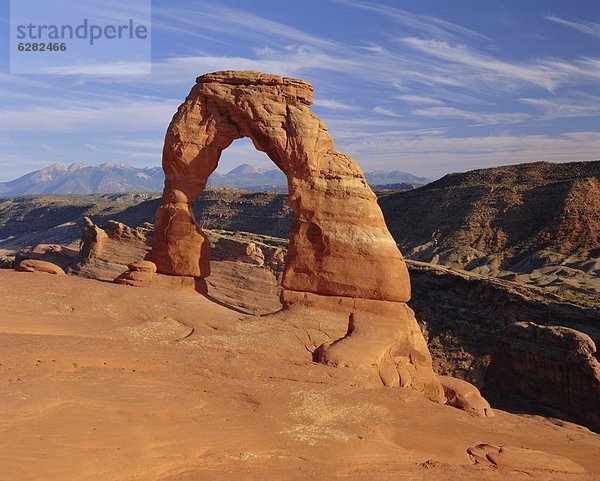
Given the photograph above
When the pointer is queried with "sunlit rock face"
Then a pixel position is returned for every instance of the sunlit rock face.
(340, 249)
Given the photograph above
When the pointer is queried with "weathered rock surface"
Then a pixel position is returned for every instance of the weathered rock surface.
(237, 398)
(548, 365)
(7, 262)
(105, 258)
(246, 247)
(140, 273)
(465, 396)
(136, 278)
(122, 232)
(339, 243)
(511, 458)
(33, 265)
(92, 241)
(142, 266)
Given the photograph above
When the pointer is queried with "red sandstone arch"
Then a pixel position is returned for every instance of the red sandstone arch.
(341, 254)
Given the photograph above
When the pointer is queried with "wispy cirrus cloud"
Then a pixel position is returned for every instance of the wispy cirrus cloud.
(582, 26)
(123, 114)
(479, 117)
(331, 104)
(201, 17)
(484, 68)
(400, 89)
(429, 24)
(384, 111)
(566, 107)
(420, 99)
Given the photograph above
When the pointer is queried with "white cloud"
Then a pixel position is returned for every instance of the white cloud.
(588, 28)
(109, 69)
(433, 26)
(565, 108)
(484, 118)
(383, 111)
(198, 17)
(487, 68)
(419, 99)
(332, 104)
(122, 114)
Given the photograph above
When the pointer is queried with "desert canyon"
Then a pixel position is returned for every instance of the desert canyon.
(166, 350)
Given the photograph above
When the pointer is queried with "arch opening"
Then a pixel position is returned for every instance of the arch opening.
(244, 214)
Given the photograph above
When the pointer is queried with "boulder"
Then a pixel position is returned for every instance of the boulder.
(463, 395)
(34, 265)
(142, 266)
(136, 278)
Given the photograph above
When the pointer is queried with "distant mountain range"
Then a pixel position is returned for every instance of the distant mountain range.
(81, 178)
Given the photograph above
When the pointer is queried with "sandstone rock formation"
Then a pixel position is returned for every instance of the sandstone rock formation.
(549, 365)
(340, 256)
(34, 265)
(140, 273)
(122, 232)
(104, 257)
(465, 396)
(142, 266)
(512, 458)
(463, 314)
(92, 241)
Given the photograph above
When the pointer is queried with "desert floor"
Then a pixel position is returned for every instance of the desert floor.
(110, 382)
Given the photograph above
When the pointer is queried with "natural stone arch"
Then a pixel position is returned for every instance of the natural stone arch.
(341, 255)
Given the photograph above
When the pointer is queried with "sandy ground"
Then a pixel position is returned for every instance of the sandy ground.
(110, 382)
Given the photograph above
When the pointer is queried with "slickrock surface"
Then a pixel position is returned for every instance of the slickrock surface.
(341, 258)
(548, 365)
(103, 381)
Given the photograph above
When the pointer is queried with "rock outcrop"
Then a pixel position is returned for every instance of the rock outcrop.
(548, 365)
(34, 265)
(139, 274)
(92, 241)
(536, 223)
(122, 232)
(341, 255)
(465, 396)
(105, 257)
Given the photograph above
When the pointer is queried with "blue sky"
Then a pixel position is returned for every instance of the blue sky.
(428, 87)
